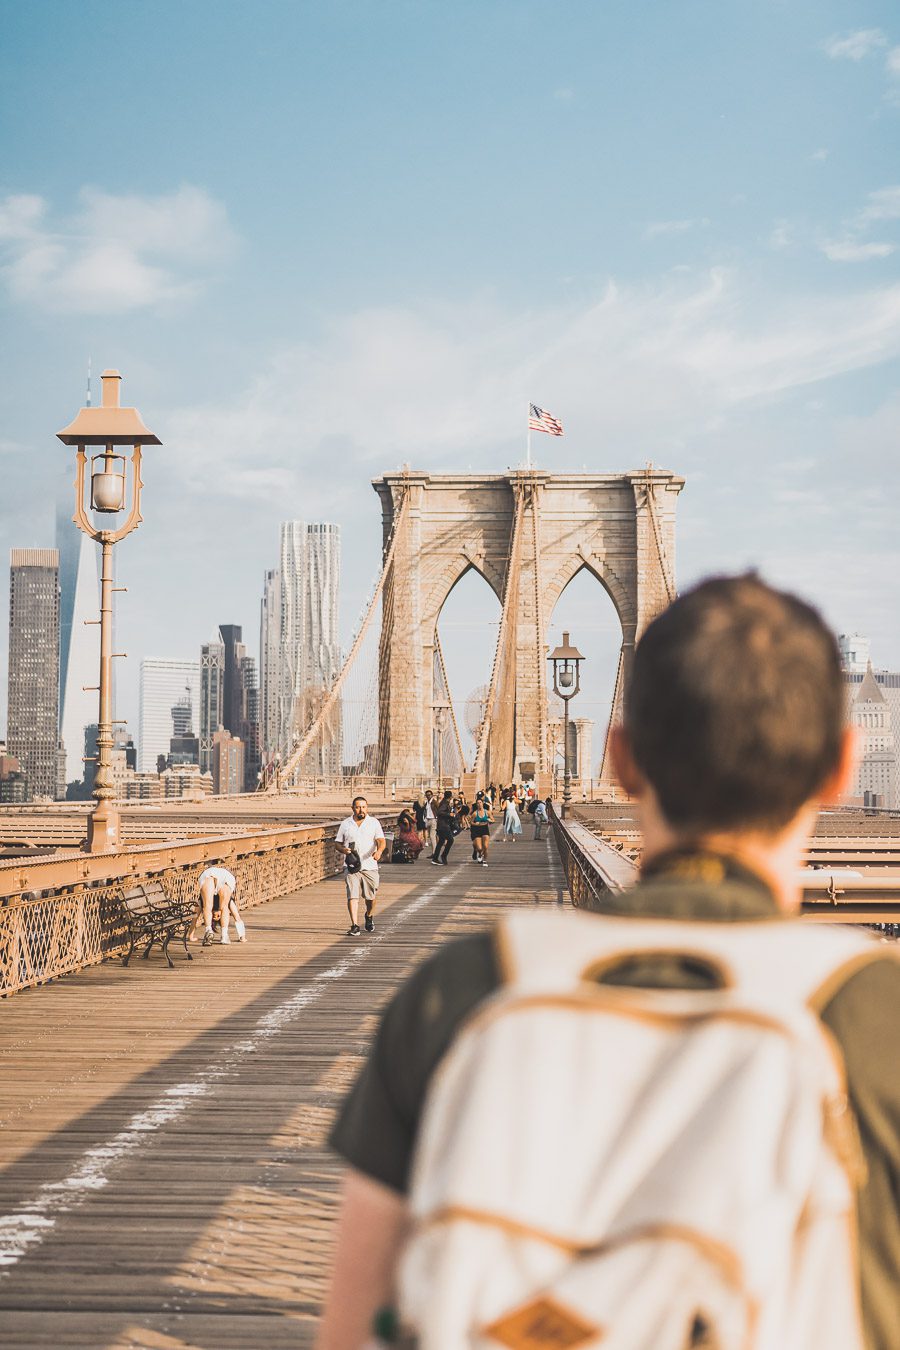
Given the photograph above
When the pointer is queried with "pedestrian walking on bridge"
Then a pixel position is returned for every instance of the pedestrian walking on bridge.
(512, 825)
(480, 828)
(540, 818)
(444, 829)
(360, 841)
(430, 821)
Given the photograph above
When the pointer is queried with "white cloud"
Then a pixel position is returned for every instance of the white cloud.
(892, 61)
(782, 235)
(819, 156)
(653, 365)
(661, 227)
(115, 253)
(849, 250)
(20, 216)
(884, 204)
(564, 95)
(855, 46)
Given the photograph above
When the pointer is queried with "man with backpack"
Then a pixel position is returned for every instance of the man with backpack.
(675, 1124)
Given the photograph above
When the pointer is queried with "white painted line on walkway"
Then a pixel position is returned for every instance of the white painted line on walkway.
(25, 1229)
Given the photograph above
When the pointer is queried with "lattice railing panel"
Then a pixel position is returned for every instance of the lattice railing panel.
(51, 935)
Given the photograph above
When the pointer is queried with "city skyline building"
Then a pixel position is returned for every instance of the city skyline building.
(33, 682)
(855, 651)
(163, 681)
(876, 773)
(269, 663)
(227, 763)
(79, 636)
(212, 679)
(232, 686)
(309, 653)
(873, 705)
(184, 746)
(249, 732)
(292, 566)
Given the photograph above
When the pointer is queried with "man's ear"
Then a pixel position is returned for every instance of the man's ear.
(626, 771)
(840, 781)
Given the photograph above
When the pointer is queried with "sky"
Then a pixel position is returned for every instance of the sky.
(320, 240)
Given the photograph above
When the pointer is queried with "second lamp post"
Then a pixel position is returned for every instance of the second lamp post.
(566, 684)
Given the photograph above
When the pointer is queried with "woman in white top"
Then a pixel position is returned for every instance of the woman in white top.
(217, 883)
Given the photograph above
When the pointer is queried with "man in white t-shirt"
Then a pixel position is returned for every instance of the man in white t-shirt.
(361, 834)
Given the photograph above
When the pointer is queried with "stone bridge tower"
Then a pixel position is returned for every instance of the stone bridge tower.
(528, 532)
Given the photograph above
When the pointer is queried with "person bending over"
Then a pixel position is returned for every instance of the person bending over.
(217, 892)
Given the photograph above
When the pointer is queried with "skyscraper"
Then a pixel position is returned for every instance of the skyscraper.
(79, 636)
(212, 680)
(235, 651)
(33, 734)
(249, 732)
(323, 586)
(293, 608)
(269, 663)
(309, 653)
(322, 648)
(163, 684)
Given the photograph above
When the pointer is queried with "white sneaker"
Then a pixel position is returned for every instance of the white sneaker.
(240, 929)
(225, 940)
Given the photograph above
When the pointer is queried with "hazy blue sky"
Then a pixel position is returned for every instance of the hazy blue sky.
(320, 239)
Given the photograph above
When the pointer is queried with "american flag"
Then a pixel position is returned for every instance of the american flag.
(538, 420)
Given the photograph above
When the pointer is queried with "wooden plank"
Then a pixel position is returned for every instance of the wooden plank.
(212, 1229)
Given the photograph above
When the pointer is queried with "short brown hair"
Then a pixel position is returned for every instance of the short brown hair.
(735, 706)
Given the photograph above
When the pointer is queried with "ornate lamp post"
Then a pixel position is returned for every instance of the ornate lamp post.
(566, 684)
(108, 426)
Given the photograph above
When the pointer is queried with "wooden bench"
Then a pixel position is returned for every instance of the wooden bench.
(150, 913)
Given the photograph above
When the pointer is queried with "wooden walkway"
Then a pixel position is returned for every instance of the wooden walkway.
(164, 1179)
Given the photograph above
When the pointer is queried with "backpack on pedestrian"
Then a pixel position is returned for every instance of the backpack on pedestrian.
(641, 1168)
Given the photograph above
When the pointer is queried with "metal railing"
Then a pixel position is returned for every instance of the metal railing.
(594, 869)
(59, 913)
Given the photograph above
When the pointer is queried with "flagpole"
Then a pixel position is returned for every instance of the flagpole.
(528, 441)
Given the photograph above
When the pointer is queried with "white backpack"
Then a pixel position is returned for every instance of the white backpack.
(600, 1165)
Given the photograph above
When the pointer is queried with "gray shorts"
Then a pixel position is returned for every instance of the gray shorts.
(361, 885)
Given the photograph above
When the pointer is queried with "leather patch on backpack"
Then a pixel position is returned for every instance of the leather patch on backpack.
(543, 1324)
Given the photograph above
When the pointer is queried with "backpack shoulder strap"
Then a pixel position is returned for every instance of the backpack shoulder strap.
(767, 963)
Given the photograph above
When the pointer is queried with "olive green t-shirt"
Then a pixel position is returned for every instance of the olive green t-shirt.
(376, 1129)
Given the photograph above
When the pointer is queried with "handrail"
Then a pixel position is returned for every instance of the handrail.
(59, 914)
(596, 871)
